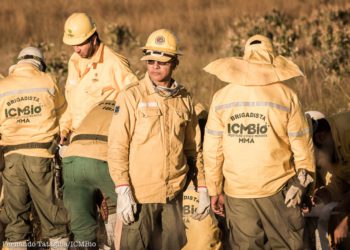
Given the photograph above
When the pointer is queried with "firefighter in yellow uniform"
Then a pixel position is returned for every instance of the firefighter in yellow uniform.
(201, 234)
(257, 139)
(31, 106)
(86, 171)
(154, 150)
(95, 73)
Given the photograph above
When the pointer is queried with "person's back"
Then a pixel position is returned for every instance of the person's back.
(32, 104)
(86, 174)
(29, 99)
(257, 145)
(91, 80)
(258, 122)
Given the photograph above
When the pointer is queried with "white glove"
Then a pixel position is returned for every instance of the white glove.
(293, 196)
(295, 192)
(204, 204)
(126, 205)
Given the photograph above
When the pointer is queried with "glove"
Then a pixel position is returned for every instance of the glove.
(204, 204)
(126, 205)
(293, 196)
(297, 188)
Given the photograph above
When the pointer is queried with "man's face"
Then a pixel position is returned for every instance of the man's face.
(160, 71)
(86, 49)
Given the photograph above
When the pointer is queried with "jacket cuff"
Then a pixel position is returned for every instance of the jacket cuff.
(214, 189)
(120, 183)
(201, 183)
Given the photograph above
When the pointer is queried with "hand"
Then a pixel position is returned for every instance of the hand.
(297, 188)
(62, 150)
(63, 139)
(204, 204)
(218, 204)
(126, 205)
(341, 231)
(306, 204)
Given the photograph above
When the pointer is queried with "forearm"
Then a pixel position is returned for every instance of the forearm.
(213, 164)
(118, 164)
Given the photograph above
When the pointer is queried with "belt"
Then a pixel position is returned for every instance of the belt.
(8, 148)
(90, 137)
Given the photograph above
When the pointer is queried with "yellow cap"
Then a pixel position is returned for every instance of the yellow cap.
(258, 43)
(78, 28)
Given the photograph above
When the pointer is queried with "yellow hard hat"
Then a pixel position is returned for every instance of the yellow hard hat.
(161, 45)
(31, 53)
(78, 28)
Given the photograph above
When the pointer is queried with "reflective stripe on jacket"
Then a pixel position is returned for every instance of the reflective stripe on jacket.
(31, 106)
(254, 137)
(149, 140)
(91, 81)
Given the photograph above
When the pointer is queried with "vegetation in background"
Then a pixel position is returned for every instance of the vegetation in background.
(314, 33)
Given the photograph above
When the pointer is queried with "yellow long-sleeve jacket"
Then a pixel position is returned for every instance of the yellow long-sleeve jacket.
(90, 138)
(151, 138)
(93, 80)
(31, 106)
(256, 139)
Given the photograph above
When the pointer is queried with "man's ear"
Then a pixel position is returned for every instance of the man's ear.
(94, 40)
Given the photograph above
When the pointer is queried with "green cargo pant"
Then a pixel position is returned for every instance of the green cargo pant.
(156, 226)
(252, 220)
(83, 178)
(29, 179)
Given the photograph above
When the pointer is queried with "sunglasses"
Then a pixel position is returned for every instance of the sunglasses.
(152, 62)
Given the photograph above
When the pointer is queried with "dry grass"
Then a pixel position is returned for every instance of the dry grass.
(207, 29)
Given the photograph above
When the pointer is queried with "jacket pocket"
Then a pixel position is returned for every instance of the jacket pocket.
(94, 90)
(9, 168)
(181, 120)
(292, 216)
(40, 165)
(149, 113)
(136, 235)
(147, 124)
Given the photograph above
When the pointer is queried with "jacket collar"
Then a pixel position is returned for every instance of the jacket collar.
(151, 88)
(149, 85)
(90, 62)
(22, 67)
(98, 56)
